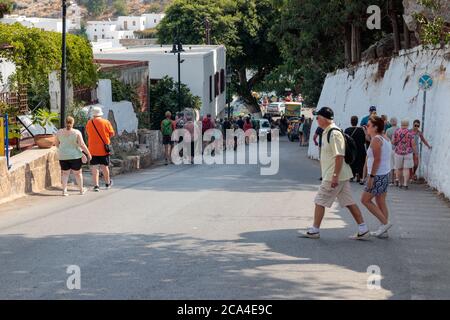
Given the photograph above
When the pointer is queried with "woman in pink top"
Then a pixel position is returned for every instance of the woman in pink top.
(405, 147)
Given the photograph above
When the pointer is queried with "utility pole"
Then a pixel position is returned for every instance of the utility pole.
(207, 31)
(178, 49)
(63, 66)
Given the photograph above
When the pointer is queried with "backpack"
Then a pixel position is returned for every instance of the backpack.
(350, 146)
(180, 124)
(167, 127)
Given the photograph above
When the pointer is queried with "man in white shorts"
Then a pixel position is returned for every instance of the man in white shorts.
(336, 176)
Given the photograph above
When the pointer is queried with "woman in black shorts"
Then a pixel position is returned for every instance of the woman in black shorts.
(71, 146)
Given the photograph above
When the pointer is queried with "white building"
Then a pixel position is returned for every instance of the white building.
(203, 69)
(152, 19)
(131, 23)
(122, 28)
(44, 24)
(106, 30)
(74, 16)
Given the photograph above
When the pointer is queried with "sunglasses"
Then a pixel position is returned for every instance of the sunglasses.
(417, 126)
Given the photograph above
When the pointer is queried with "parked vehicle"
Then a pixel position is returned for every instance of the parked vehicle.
(276, 108)
(293, 127)
(293, 109)
(265, 129)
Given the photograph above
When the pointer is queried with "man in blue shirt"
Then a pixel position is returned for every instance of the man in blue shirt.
(365, 120)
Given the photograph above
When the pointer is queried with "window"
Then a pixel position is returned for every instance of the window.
(222, 81)
(156, 20)
(216, 84)
(103, 36)
(210, 89)
(134, 23)
(125, 25)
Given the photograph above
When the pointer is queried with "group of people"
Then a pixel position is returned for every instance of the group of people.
(405, 147)
(186, 120)
(73, 152)
(385, 154)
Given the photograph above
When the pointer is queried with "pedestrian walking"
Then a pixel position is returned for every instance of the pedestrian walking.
(306, 131)
(167, 128)
(100, 132)
(71, 146)
(336, 175)
(365, 120)
(418, 137)
(387, 124)
(405, 147)
(359, 136)
(390, 135)
(378, 166)
(247, 126)
(301, 136)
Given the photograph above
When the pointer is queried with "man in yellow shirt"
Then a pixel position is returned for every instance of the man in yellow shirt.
(336, 174)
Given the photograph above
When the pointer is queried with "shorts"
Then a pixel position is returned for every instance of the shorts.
(403, 161)
(327, 195)
(74, 164)
(167, 140)
(99, 160)
(380, 185)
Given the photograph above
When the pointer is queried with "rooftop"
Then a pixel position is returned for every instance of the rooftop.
(161, 49)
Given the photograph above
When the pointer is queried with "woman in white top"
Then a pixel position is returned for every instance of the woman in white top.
(377, 169)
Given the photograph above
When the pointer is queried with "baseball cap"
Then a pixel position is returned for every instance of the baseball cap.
(325, 112)
(372, 109)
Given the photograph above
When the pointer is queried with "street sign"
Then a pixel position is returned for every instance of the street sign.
(425, 82)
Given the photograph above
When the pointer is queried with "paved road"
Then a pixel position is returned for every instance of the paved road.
(219, 232)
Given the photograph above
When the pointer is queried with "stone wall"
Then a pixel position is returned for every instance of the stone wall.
(32, 171)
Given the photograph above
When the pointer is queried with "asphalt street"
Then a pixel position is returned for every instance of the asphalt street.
(220, 232)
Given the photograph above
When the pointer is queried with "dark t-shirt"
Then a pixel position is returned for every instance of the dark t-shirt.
(319, 132)
(240, 123)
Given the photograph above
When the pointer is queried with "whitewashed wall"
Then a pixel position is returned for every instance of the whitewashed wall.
(397, 94)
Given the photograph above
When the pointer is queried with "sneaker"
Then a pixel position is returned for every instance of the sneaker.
(383, 235)
(363, 236)
(83, 191)
(96, 189)
(109, 185)
(65, 193)
(309, 235)
(383, 228)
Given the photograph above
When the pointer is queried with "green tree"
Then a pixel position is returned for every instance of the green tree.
(121, 8)
(6, 7)
(94, 7)
(432, 29)
(37, 53)
(241, 25)
(165, 98)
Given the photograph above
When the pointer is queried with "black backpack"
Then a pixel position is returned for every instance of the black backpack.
(350, 146)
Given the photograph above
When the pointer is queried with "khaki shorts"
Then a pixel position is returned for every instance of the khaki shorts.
(403, 161)
(327, 195)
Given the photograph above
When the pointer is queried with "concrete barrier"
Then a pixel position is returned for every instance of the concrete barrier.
(32, 171)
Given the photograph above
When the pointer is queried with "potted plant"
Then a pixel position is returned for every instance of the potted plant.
(44, 118)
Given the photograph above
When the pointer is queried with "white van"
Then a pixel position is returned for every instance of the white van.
(276, 108)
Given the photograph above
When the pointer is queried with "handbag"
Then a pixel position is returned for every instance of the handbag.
(106, 146)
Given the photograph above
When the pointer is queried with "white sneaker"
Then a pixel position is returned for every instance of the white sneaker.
(65, 193)
(309, 235)
(383, 228)
(83, 191)
(361, 236)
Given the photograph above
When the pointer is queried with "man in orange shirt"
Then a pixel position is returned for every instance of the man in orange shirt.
(99, 133)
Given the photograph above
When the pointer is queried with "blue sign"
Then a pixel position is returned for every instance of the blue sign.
(425, 82)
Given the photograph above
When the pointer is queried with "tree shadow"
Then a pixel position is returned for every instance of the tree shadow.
(176, 266)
